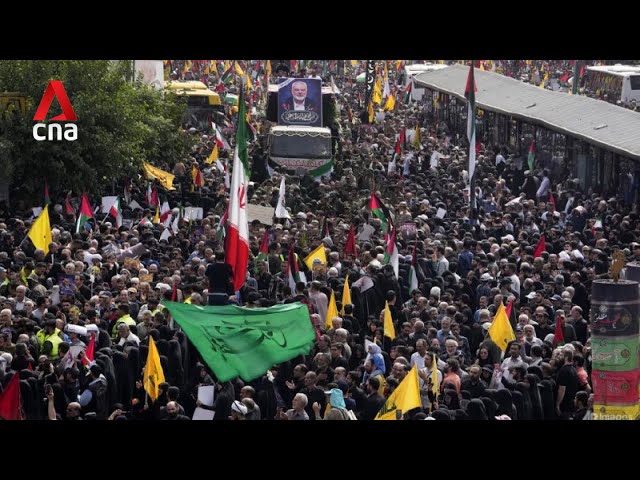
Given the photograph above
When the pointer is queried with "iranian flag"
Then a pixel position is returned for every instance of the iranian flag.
(391, 254)
(116, 212)
(470, 94)
(237, 239)
(85, 213)
(165, 214)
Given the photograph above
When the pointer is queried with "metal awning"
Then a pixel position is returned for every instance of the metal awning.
(600, 123)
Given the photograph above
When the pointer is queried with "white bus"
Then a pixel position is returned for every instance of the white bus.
(415, 69)
(615, 83)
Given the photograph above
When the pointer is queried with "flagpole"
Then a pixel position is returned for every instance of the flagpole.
(472, 183)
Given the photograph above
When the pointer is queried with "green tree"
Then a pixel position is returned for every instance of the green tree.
(120, 123)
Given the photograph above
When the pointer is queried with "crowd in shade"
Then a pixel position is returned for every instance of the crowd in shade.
(427, 279)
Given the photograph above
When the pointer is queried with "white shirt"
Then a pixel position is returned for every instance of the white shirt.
(298, 106)
(545, 185)
(417, 359)
(130, 338)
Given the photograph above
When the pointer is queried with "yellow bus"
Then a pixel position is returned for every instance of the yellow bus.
(202, 103)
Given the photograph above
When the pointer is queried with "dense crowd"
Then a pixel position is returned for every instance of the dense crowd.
(112, 282)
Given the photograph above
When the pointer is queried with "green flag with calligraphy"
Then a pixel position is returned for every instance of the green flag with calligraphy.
(245, 342)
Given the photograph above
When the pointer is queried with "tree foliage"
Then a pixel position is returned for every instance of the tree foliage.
(120, 125)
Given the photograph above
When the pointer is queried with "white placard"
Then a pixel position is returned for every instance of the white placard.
(193, 213)
(202, 414)
(365, 234)
(107, 203)
(263, 214)
(206, 394)
(36, 211)
(441, 213)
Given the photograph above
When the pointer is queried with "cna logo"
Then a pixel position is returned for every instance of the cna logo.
(54, 130)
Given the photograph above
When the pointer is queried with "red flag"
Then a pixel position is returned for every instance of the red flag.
(174, 293)
(155, 201)
(541, 247)
(91, 347)
(350, 247)
(30, 367)
(564, 78)
(558, 337)
(47, 200)
(552, 200)
(508, 309)
(581, 71)
(10, 408)
(69, 210)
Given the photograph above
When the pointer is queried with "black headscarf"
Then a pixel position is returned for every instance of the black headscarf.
(476, 410)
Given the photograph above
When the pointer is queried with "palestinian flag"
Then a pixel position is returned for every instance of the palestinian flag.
(531, 160)
(391, 254)
(85, 213)
(263, 253)
(47, 199)
(69, 210)
(407, 93)
(116, 212)
(380, 211)
(222, 226)
(402, 138)
(227, 77)
(294, 273)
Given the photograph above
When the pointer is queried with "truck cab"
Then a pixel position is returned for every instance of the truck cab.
(301, 150)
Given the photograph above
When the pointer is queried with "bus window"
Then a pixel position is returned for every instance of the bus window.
(635, 82)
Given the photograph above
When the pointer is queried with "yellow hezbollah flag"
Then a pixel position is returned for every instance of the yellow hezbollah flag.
(317, 253)
(435, 387)
(248, 82)
(390, 104)
(377, 92)
(371, 112)
(156, 219)
(416, 138)
(404, 398)
(500, 330)
(268, 68)
(389, 331)
(153, 374)
(165, 178)
(354, 63)
(332, 312)
(40, 233)
(213, 156)
(346, 294)
(238, 69)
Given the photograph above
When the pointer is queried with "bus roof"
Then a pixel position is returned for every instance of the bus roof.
(617, 70)
(300, 130)
(186, 85)
(424, 67)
